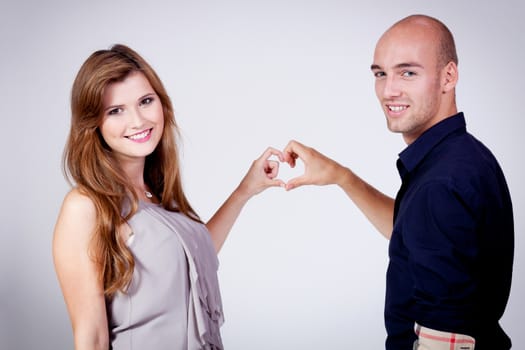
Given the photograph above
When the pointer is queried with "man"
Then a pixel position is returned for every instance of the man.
(451, 224)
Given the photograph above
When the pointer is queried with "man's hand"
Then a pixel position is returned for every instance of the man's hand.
(318, 169)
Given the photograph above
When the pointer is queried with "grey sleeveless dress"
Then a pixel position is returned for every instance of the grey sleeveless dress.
(173, 301)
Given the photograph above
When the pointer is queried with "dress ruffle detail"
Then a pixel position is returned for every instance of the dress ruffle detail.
(205, 294)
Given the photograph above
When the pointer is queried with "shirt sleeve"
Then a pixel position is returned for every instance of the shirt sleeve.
(443, 250)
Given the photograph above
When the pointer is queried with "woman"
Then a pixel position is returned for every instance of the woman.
(137, 266)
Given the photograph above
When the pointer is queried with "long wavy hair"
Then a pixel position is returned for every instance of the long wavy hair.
(90, 165)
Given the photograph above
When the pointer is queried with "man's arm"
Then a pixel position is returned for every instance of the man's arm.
(321, 170)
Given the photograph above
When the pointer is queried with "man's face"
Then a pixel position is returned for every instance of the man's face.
(408, 82)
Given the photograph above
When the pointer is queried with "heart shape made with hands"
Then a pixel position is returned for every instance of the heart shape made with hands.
(286, 172)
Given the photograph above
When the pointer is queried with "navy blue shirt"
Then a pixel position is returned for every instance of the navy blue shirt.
(452, 246)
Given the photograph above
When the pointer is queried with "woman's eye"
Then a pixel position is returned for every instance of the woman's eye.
(115, 111)
(146, 101)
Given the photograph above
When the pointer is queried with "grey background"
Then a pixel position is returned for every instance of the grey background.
(301, 270)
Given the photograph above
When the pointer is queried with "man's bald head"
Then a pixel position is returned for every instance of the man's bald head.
(436, 30)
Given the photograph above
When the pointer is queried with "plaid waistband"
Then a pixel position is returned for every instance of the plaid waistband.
(433, 339)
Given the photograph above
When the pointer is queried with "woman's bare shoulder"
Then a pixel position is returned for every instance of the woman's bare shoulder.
(77, 215)
(76, 199)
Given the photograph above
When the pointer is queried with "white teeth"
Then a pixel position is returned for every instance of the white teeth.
(139, 136)
(397, 108)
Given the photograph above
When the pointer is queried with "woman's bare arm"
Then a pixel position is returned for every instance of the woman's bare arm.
(78, 274)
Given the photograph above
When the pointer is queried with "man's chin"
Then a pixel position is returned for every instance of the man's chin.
(394, 127)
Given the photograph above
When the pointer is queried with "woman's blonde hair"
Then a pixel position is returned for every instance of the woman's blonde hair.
(91, 165)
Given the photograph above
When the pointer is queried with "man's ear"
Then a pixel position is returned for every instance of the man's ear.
(449, 78)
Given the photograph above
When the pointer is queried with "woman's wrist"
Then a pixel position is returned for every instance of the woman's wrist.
(241, 194)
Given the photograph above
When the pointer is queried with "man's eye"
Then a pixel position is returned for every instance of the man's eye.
(408, 74)
(379, 74)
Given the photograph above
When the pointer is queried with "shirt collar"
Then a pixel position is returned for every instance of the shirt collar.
(414, 153)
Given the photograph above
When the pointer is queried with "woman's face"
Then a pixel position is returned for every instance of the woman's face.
(133, 119)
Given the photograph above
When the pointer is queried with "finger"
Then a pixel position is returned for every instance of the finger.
(290, 159)
(270, 151)
(271, 169)
(277, 183)
(292, 151)
(296, 182)
(293, 145)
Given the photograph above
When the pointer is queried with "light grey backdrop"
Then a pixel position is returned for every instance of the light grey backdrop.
(301, 270)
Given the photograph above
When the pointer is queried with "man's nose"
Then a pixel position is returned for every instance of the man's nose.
(391, 87)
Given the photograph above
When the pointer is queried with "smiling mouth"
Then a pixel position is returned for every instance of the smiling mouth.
(397, 108)
(140, 136)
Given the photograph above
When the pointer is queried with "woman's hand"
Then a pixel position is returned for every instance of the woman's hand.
(262, 174)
